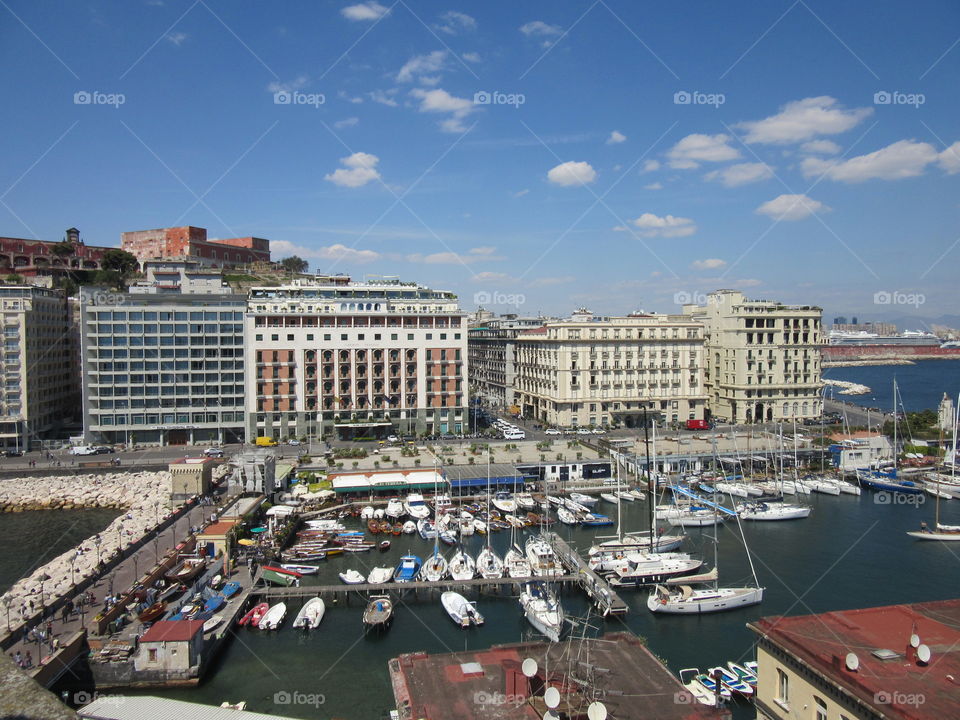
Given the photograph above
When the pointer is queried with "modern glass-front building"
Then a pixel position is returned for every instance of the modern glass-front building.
(162, 369)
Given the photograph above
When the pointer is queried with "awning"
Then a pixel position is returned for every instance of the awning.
(374, 423)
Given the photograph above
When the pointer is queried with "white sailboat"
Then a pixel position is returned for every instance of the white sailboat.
(516, 565)
(462, 566)
(489, 564)
(941, 532)
(542, 609)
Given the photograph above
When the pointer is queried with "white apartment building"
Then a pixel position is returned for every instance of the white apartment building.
(162, 368)
(762, 358)
(179, 277)
(589, 370)
(492, 349)
(358, 359)
(39, 388)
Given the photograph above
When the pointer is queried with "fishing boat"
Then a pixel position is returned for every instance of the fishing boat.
(351, 577)
(357, 547)
(283, 571)
(504, 502)
(273, 618)
(253, 617)
(378, 614)
(747, 676)
(230, 589)
(153, 612)
(543, 561)
(462, 566)
(186, 571)
(300, 569)
(380, 576)
(714, 687)
(460, 610)
(394, 509)
(730, 681)
(416, 506)
(310, 614)
(373, 526)
(407, 569)
(542, 609)
(689, 679)
(212, 623)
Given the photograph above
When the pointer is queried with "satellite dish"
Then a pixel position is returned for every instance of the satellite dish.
(597, 711)
(529, 667)
(923, 654)
(551, 698)
(550, 715)
(853, 662)
(914, 640)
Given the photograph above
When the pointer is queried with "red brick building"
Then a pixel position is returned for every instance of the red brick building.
(192, 242)
(36, 257)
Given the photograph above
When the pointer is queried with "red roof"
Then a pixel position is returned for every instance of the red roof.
(892, 685)
(172, 631)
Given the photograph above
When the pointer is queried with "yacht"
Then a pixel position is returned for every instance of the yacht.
(416, 506)
(542, 609)
(543, 561)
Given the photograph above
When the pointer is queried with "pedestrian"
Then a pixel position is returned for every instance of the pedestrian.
(29, 661)
(18, 658)
(50, 628)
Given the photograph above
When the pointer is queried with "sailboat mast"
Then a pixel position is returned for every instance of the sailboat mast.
(651, 485)
(896, 475)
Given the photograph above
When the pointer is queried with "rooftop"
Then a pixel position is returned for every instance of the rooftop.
(616, 670)
(172, 631)
(894, 683)
(221, 527)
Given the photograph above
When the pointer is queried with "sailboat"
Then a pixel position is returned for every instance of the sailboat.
(889, 481)
(771, 511)
(542, 609)
(462, 566)
(489, 564)
(434, 567)
(941, 532)
(684, 600)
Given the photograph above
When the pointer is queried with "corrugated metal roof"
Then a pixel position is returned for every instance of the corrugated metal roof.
(132, 707)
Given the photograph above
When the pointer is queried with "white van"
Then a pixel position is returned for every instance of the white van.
(514, 434)
(83, 450)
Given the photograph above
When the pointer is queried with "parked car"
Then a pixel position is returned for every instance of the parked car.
(293, 442)
(392, 438)
(584, 431)
(13, 453)
(102, 450)
(553, 431)
(213, 453)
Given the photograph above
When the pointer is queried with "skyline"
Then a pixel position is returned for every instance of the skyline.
(596, 154)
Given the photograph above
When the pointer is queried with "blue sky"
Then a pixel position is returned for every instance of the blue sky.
(617, 155)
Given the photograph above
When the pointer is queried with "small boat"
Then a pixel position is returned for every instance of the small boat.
(357, 547)
(373, 526)
(310, 614)
(462, 566)
(542, 609)
(447, 537)
(629, 496)
(283, 571)
(367, 512)
(352, 577)
(394, 509)
(380, 576)
(274, 616)
(379, 613)
(186, 571)
(212, 623)
(748, 676)
(301, 569)
(384, 545)
(689, 679)
(588, 501)
(397, 528)
(153, 612)
(426, 528)
(215, 582)
(566, 517)
(253, 616)
(610, 498)
(712, 687)
(277, 576)
(242, 705)
(214, 603)
(409, 527)
(230, 589)
(637, 494)
(408, 568)
(525, 501)
(460, 610)
(596, 520)
(730, 681)
(504, 502)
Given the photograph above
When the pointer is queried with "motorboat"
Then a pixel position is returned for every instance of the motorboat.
(253, 616)
(566, 517)
(394, 509)
(441, 504)
(274, 616)
(310, 614)
(352, 577)
(407, 569)
(588, 501)
(378, 615)
(543, 561)
(596, 520)
(542, 609)
(462, 566)
(426, 528)
(772, 511)
(525, 501)
(230, 589)
(460, 610)
(504, 502)
(409, 527)
(367, 512)
(380, 576)
(416, 506)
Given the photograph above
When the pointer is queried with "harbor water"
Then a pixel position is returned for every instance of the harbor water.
(921, 386)
(851, 552)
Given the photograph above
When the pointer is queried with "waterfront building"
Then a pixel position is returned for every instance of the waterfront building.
(595, 371)
(162, 368)
(38, 258)
(492, 350)
(762, 358)
(40, 390)
(171, 649)
(192, 242)
(359, 359)
(862, 449)
(189, 477)
(898, 662)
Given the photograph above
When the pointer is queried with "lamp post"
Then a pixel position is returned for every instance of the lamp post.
(6, 603)
(96, 541)
(73, 562)
(43, 578)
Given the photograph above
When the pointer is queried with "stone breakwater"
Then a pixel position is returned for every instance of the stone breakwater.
(145, 496)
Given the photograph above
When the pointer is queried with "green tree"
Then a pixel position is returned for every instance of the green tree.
(63, 249)
(295, 264)
(121, 261)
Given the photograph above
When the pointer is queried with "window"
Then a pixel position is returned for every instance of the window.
(259, 336)
(152, 655)
(274, 337)
(326, 337)
(783, 687)
(409, 336)
(309, 337)
(343, 336)
(361, 336)
(289, 337)
(429, 336)
(393, 336)
(820, 709)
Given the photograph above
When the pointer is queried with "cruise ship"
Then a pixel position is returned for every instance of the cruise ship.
(911, 338)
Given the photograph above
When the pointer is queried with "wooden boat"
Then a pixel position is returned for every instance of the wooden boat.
(186, 571)
(397, 528)
(357, 547)
(153, 612)
(373, 526)
(384, 545)
(386, 526)
(272, 575)
(379, 613)
(212, 623)
(310, 614)
(283, 571)
(254, 616)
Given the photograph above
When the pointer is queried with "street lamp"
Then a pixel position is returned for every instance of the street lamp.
(73, 562)
(96, 541)
(6, 603)
(43, 578)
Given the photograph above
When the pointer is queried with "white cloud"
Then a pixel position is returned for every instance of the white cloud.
(616, 137)
(298, 82)
(360, 169)
(484, 253)
(488, 276)
(177, 38)
(949, 159)
(654, 186)
(454, 22)
(902, 159)
(651, 225)
(540, 28)
(384, 97)
(791, 207)
(521, 193)
(804, 119)
(651, 165)
(572, 173)
(346, 122)
(440, 101)
(741, 174)
(708, 264)
(422, 65)
(697, 148)
(471, 57)
(331, 252)
(364, 11)
(550, 281)
(821, 147)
